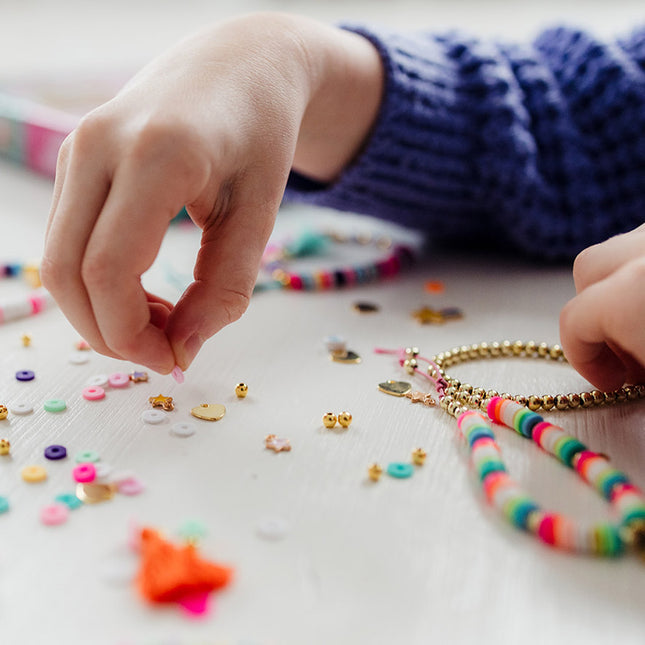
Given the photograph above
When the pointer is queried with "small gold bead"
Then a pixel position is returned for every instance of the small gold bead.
(463, 396)
(466, 387)
(464, 353)
(632, 392)
(410, 364)
(473, 352)
(484, 349)
(518, 348)
(451, 391)
(535, 402)
(561, 402)
(574, 400)
(495, 349)
(474, 401)
(345, 419)
(506, 395)
(374, 472)
(3, 412)
(543, 350)
(556, 352)
(586, 399)
(418, 457)
(455, 383)
(479, 391)
(598, 397)
(445, 402)
(456, 352)
(5, 447)
(329, 420)
(521, 399)
(484, 405)
(241, 390)
(26, 340)
(453, 407)
(610, 397)
(491, 393)
(531, 348)
(411, 352)
(621, 395)
(548, 402)
(507, 348)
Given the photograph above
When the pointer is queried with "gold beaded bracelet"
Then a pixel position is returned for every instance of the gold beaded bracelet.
(476, 397)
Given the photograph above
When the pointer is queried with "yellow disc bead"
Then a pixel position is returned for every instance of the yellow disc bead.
(34, 474)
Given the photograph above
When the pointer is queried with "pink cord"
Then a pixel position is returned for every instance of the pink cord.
(439, 383)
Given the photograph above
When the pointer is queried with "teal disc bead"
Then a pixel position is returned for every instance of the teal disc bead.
(70, 500)
(87, 456)
(4, 505)
(400, 470)
(55, 405)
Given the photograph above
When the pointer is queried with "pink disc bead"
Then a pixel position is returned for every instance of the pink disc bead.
(177, 374)
(93, 393)
(84, 473)
(119, 379)
(130, 486)
(54, 514)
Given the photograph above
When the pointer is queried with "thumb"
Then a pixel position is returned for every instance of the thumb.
(225, 273)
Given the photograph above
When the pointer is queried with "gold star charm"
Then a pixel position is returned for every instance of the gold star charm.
(277, 444)
(426, 316)
(161, 401)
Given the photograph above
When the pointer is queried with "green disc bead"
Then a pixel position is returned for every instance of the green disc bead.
(55, 405)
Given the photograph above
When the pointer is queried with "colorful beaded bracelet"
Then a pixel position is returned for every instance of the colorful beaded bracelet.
(310, 243)
(517, 506)
(21, 307)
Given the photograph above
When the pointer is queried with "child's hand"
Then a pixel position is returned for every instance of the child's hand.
(603, 327)
(214, 125)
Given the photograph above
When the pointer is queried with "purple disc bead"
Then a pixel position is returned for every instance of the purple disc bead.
(25, 375)
(55, 452)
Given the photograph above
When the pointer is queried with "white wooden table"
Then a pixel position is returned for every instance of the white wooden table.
(417, 561)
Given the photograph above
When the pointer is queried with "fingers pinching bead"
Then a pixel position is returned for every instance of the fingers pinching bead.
(374, 472)
(345, 419)
(241, 390)
(329, 420)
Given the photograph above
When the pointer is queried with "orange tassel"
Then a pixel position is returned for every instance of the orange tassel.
(169, 573)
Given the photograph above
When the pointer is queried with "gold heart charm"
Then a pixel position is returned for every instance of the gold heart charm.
(395, 388)
(209, 411)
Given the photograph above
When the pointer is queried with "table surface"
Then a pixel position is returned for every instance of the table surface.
(412, 561)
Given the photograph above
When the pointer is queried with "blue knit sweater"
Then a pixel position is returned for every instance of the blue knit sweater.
(538, 148)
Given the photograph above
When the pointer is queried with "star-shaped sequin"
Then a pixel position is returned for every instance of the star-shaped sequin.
(421, 397)
(138, 377)
(161, 401)
(277, 444)
(426, 316)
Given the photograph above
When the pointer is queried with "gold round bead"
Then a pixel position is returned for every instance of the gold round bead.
(479, 391)
(491, 393)
(466, 387)
(610, 397)
(329, 420)
(574, 400)
(542, 350)
(4, 412)
(598, 397)
(621, 395)
(518, 348)
(632, 392)
(5, 447)
(556, 352)
(521, 399)
(495, 349)
(562, 402)
(412, 352)
(531, 348)
(473, 352)
(586, 399)
(241, 390)
(483, 349)
(410, 364)
(345, 419)
(534, 402)
(507, 348)
(548, 402)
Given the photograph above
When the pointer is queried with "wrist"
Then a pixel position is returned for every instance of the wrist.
(346, 79)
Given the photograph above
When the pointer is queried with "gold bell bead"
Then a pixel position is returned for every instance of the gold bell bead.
(329, 420)
(345, 419)
(3, 412)
(5, 447)
(374, 472)
(419, 457)
(26, 340)
(241, 390)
